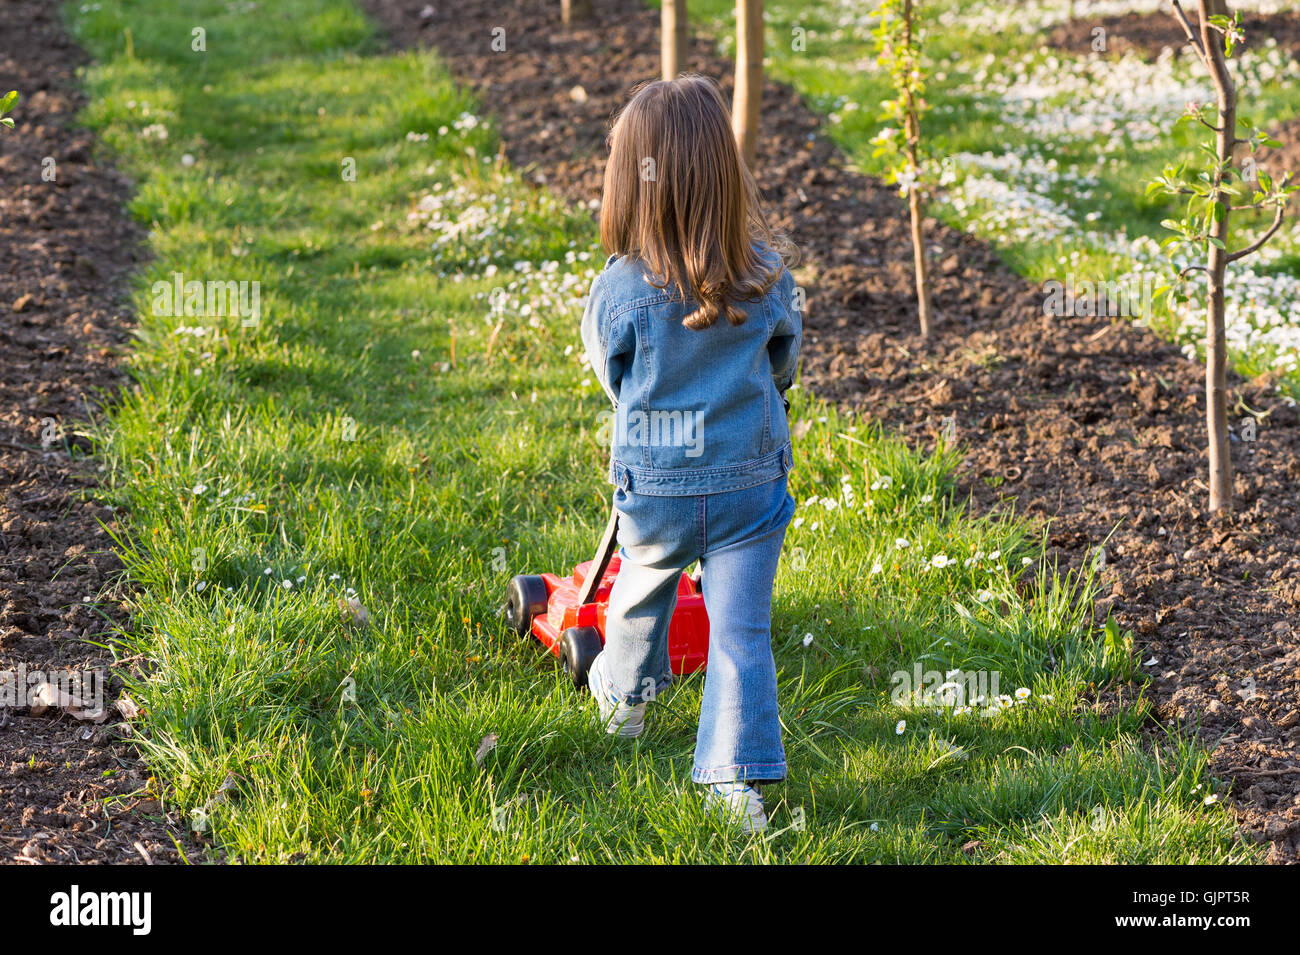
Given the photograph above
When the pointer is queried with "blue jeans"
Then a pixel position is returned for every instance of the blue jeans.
(736, 536)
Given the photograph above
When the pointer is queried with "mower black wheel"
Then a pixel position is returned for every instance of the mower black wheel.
(526, 598)
(578, 647)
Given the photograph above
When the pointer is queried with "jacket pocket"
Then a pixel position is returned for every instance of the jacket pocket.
(620, 476)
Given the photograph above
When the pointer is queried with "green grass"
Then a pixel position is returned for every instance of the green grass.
(367, 435)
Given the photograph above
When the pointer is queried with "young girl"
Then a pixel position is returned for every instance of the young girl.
(692, 330)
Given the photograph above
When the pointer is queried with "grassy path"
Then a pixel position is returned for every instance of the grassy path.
(404, 420)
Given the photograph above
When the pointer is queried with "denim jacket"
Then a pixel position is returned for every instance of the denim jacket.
(695, 412)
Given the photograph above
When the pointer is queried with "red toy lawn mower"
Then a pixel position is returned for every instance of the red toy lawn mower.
(567, 614)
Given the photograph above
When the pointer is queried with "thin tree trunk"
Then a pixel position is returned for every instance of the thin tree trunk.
(571, 10)
(919, 261)
(1216, 350)
(749, 77)
(913, 135)
(674, 37)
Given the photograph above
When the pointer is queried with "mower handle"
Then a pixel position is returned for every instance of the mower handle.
(600, 563)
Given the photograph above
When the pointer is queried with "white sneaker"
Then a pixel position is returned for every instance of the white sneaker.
(616, 718)
(741, 802)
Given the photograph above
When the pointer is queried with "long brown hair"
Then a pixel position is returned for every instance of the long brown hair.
(679, 197)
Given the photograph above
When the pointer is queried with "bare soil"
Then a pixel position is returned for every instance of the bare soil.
(1088, 424)
(1149, 34)
(70, 791)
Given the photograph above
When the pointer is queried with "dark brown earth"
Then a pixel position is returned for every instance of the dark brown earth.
(70, 791)
(1091, 424)
(1285, 157)
(1149, 34)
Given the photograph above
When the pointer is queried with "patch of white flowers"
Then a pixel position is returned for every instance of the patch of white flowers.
(1112, 104)
(474, 229)
(1261, 315)
(536, 293)
(953, 695)
(1116, 107)
(462, 215)
(1008, 212)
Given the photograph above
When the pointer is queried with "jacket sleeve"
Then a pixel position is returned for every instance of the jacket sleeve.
(606, 351)
(787, 334)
